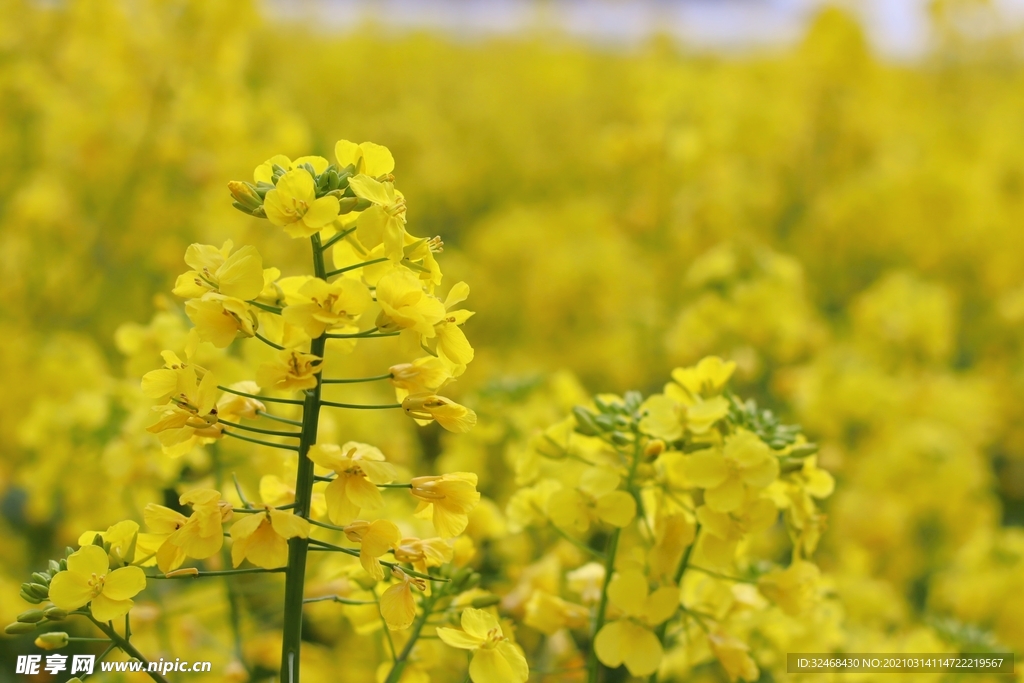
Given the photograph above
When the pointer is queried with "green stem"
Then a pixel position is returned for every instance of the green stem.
(267, 307)
(298, 548)
(339, 599)
(222, 572)
(127, 648)
(340, 236)
(399, 666)
(284, 420)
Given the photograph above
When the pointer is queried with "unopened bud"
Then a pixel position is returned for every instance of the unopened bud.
(654, 448)
(245, 194)
(38, 590)
(41, 578)
(55, 613)
(585, 423)
(185, 571)
(17, 628)
(52, 641)
(485, 601)
(31, 616)
(28, 597)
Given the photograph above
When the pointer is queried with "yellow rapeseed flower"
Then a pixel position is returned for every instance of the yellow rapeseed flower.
(427, 406)
(358, 468)
(375, 539)
(726, 474)
(595, 498)
(384, 222)
(405, 305)
(262, 537)
(397, 605)
(238, 275)
(446, 500)
(368, 158)
(422, 376)
(630, 639)
(294, 206)
(289, 370)
(319, 305)
(495, 658)
(88, 579)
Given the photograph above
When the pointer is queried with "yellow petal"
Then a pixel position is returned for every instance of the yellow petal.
(105, 609)
(377, 159)
(628, 591)
(491, 666)
(288, 525)
(706, 468)
(321, 212)
(397, 606)
(725, 497)
(70, 590)
(124, 583)
(641, 650)
(89, 560)
(459, 639)
(241, 276)
(340, 509)
(479, 623)
(361, 492)
(367, 188)
(618, 508)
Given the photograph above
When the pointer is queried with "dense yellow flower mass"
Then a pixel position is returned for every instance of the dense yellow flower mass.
(844, 251)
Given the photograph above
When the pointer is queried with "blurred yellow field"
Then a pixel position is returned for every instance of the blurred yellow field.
(716, 357)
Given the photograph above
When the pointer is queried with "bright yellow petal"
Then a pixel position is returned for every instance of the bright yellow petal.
(490, 666)
(70, 590)
(628, 591)
(397, 606)
(706, 468)
(725, 497)
(89, 560)
(288, 525)
(377, 159)
(479, 623)
(124, 583)
(321, 212)
(618, 508)
(105, 609)
(362, 492)
(459, 639)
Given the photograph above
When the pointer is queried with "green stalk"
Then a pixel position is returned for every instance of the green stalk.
(128, 649)
(298, 548)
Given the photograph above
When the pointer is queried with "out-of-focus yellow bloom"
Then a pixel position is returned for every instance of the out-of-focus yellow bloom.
(397, 605)
(264, 173)
(405, 305)
(734, 655)
(691, 402)
(88, 579)
(367, 158)
(426, 407)
(721, 532)
(289, 371)
(119, 536)
(629, 640)
(587, 582)
(375, 539)
(422, 376)
(199, 536)
(238, 275)
(262, 537)
(232, 407)
(794, 589)
(744, 463)
(358, 468)
(293, 205)
(219, 319)
(446, 500)
(672, 533)
(191, 411)
(706, 378)
(495, 658)
(595, 498)
(423, 553)
(319, 305)
(549, 613)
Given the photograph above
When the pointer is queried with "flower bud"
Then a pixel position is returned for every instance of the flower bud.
(28, 597)
(654, 448)
(52, 641)
(37, 589)
(55, 613)
(585, 423)
(485, 601)
(31, 616)
(18, 627)
(245, 195)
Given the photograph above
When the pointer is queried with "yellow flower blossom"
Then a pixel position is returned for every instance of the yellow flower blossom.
(707, 377)
(232, 407)
(452, 346)
(276, 492)
(447, 500)
(422, 376)
(119, 536)
(238, 275)
(596, 497)
(375, 539)
(397, 605)
(384, 222)
(368, 158)
(405, 305)
(220, 319)
(495, 658)
(734, 656)
(162, 523)
(293, 205)
(549, 613)
(630, 639)
(264, 173)
(587, 582)
(423, 553)
(199, 536)
(290, 370)
(672, 533)
(726, 474)
(319, 305)
(262, 537)
(794, 589)
(358, 468)
(88, 579)
(721, 532)
(191, 411)
(426, 407)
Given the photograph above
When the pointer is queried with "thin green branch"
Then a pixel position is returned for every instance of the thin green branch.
(339, 271)
(337, 238)
(324, 546)
(359, 380)
(356, 406)
(726, 577)
(278, 418)
(267, 341)
(365, 334)
(339, 599)
(267, 307)
(270, 399)
(221, 572)
(262, 443)
(127, 648)
(269, 432)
